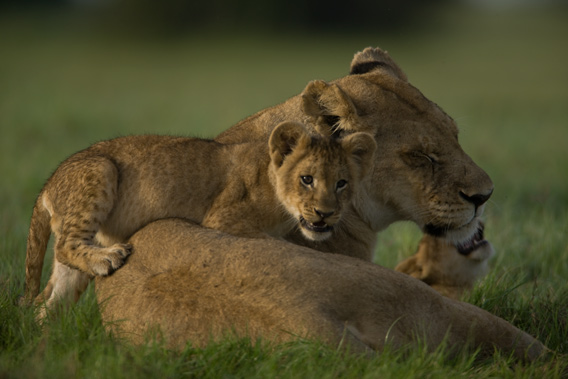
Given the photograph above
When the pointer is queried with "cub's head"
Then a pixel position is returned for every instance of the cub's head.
(315, 177)
(420, 172)
(447, 269)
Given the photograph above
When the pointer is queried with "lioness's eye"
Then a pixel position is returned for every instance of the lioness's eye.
(420, 157)
(430, 158)
(307, 180)
(341, 184)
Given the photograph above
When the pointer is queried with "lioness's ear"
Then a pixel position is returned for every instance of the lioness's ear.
(362, 148)
(284, 139)
(375, 59)
(328, 106)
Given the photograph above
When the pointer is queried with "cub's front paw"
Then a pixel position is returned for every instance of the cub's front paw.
(111, 259)
(123, 249)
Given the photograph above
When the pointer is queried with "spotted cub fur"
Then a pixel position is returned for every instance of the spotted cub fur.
(99, 197)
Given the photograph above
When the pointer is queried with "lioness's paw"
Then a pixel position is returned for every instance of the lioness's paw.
(111, 259)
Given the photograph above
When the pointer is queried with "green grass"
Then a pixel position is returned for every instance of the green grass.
(62, 89)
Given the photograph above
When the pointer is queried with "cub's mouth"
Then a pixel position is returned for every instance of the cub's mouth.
(475, 242)
(318, 227)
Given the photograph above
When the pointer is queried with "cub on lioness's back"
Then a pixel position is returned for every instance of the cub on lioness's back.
(100, 196)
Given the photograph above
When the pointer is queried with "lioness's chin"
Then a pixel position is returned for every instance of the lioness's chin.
(466, 239)
(318, 231)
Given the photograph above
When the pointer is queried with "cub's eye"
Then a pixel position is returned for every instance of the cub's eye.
(307, 180)
(341, 184)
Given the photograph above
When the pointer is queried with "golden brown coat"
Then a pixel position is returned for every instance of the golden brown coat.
(195, 284)
(100, 196)
(420, 172)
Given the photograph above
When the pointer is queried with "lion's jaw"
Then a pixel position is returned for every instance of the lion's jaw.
(467, 238)
(380, 213)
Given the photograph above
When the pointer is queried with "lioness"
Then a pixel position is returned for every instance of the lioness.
(449, 271)
(196, 284)
(420, 173)
(100, 196)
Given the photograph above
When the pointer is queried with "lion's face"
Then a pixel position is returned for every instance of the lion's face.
(431, 180)
(420, 172)
(316, 177)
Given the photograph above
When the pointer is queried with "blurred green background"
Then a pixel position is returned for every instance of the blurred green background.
(75, 72)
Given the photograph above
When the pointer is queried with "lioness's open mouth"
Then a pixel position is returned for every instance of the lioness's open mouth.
(318, 227)
(474, 243)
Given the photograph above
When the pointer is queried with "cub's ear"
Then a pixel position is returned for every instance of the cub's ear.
(410, 266)
(284, 139)
(329, 107)
(372, 59)
(362, 147)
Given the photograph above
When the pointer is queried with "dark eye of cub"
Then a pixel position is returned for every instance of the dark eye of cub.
(341, 184)
(307, 180)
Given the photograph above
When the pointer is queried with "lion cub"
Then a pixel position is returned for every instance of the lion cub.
(448, 269)
(98, 197)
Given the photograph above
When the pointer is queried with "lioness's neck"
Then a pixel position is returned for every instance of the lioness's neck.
(376, 215)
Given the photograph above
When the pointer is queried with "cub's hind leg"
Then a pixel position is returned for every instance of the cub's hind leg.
(64, 288)
(79, 197)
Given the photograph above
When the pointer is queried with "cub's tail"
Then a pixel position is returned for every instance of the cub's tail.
(38, 238)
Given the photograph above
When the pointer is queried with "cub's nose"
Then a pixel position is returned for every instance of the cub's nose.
(323, 214)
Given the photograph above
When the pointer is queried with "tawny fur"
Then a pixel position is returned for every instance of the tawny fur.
(98, 197)
(420, 172)
(191, 284)
(440, 265)
(196, 284)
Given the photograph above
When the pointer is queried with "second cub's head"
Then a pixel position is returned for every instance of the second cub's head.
(316, 176)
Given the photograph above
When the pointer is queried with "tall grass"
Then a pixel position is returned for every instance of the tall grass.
(501, 75)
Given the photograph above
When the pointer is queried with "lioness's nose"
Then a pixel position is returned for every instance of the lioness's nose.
(477, 199)
(323, 214)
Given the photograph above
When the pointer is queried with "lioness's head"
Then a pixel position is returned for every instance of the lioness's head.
(420, 172)
(315, 177)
